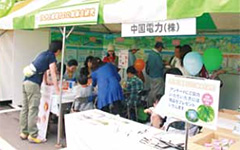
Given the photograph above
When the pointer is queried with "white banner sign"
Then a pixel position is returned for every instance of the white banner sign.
(193, 100)
(79, 14)
(123, 59)
(44, 110)
(169, 27)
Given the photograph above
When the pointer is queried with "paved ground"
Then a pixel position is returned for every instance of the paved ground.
(9, 131)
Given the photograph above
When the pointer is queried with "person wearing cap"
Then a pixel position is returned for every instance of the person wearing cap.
(111, 56)
(154, 69)
(131, 55)
(132, 58)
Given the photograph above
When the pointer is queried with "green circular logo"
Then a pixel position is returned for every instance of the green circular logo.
(5, 7)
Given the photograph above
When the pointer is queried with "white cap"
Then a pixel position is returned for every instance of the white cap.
(110, 47)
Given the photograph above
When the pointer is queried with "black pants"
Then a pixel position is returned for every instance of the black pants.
(113, 108)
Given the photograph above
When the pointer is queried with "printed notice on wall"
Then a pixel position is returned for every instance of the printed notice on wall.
(123, 59)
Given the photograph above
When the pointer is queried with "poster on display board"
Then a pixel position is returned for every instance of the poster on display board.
(70, 54)
(194, 100)
(123, 59)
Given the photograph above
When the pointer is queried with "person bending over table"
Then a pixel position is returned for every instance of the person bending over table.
(110, 93)
(31, 90)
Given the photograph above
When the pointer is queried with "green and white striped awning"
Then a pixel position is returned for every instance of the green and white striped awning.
(32, 14)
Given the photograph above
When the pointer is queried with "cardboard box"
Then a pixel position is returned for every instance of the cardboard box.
(197, 142)
(228, 111)
(229, 114)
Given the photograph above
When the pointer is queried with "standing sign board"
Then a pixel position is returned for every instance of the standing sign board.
(194, 100)
(123, 59)
(160, 28)
(44, 110)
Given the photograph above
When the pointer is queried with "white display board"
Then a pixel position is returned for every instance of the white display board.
(194, 100)
(160, 28)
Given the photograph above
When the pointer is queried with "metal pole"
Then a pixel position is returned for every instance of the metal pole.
(59, 135)
(186, 136)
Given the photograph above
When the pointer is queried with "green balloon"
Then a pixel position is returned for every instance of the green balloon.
(5, 7)
(212, 59)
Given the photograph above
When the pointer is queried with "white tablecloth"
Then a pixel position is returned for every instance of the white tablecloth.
(67, 97)
(97, 130)
(50, 103)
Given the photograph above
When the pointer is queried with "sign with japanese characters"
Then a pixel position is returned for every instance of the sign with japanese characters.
(159, 28)
(79, 14)
(123, 59)
(194, 100)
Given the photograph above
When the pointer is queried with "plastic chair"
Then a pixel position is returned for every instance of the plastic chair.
(82, 103)
(180, 125)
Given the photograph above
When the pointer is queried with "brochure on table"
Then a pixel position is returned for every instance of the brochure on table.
(113, 132)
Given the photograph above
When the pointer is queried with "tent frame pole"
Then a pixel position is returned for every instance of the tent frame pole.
(60, 118)
(60, 123)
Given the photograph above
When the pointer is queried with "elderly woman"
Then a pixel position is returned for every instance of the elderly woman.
(110, 93)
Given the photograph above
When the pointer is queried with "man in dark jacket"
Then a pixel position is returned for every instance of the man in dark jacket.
(154, 69)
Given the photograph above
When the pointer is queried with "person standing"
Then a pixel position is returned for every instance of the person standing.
(183, 52)
(131, 60)
(155, 69)
(175, 61)
(111, 56)
(133, 86)
(31, 91)
(131, 55)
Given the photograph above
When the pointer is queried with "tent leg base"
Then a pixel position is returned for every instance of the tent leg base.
(59, 146)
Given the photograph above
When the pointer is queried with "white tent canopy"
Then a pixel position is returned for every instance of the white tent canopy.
(6, 22)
